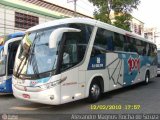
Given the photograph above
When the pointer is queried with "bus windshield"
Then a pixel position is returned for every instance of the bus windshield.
(33, 52)
(2, 62)
(35, 59)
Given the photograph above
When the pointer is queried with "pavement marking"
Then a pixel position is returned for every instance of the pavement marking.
(45, 107)
(29, 108)
(23, 108)
(5, 93)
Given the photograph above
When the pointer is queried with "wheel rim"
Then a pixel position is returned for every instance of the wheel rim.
(147, 79)
(95, 91)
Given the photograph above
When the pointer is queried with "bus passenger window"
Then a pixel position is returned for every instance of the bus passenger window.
(97, 51)
(130, 44)
(75, 46)
(70, 50)
(118, 42)
(148, 49)
(104, 40)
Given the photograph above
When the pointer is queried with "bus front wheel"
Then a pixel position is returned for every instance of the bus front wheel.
(94, 92)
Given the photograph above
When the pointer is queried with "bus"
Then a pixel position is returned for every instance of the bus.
(4, 38)
(74, 58)
(8, 48)
(158, 67)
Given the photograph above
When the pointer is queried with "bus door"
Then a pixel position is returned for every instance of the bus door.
(74, 48)
(69, 69)
(12, 49)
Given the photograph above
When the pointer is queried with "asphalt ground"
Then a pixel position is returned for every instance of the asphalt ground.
(136, 99)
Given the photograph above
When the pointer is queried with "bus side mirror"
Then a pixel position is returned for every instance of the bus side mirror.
(57, 34)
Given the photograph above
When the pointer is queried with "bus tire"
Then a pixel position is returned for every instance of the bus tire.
(94, 92)
(147, 78)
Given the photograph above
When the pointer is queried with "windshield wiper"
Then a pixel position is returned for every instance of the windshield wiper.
(33, 61)
(24, 55)
(20, 70)
(27, 55)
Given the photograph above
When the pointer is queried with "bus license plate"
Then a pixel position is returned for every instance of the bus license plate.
(26, 96)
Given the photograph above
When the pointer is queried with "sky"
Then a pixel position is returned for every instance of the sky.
(148, 11)
(83, 6)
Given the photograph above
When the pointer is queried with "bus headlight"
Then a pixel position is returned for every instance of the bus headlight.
(52, 84)
(2, 82)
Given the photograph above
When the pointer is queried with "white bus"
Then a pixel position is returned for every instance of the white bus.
(74, 58)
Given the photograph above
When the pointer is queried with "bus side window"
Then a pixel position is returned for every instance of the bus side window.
(96, 51)
(70, 53)
(131, 45)
(75, 45)
(118, 42)
(103, 41)
(100, 40)
(148, 48)
(153, 50)
(86, 31)
(126, 44)
(141, 49)
(144, 52)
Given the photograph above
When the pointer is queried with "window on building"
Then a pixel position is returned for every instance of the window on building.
(135, 28)
(139, 29)
(25, 21)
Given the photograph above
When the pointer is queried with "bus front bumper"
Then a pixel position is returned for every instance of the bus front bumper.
(49, 96)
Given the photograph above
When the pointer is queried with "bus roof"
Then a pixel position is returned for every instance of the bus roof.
(10, 41)
(5, 38)
(1, 47)
(89, 22)
(16, 34)
(63, 21)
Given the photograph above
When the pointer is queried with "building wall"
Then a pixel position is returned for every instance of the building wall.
(7, 19)
(137, 27)
(56, 9)
(45, 11)
(158, 41)
(153, 35)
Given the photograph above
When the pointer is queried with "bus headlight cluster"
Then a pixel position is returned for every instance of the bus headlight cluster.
(50, 85)
(2, 82)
